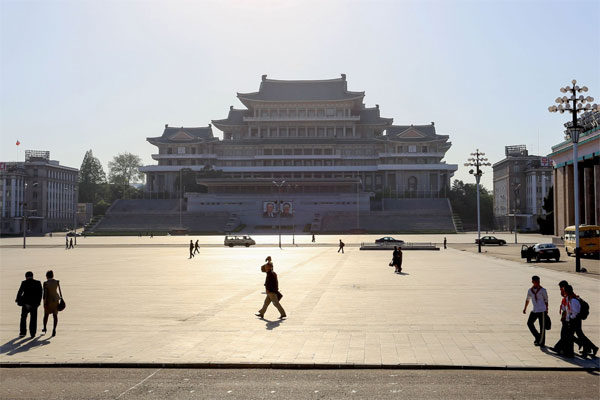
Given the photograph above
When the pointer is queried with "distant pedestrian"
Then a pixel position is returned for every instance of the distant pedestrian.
(539, 302)
(341, 247)
(191, 249)
(52, 296)
(151, 235)
(71, 243)
(66, 242)
(313, 238)
(397, 256)
(272, 290)
(196, 247)
(445, 241)
(29, 298)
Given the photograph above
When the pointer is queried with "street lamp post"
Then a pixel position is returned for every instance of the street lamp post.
(574, 105)
(477, 161)
(358, 204)
(516, 191)
(279, 186)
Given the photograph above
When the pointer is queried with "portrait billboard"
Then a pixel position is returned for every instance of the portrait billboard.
(287, 209)
(269, 209)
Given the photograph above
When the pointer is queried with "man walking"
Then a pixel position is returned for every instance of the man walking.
(29, 298)
(445, 243)
(71, 243)
(313, 238)
(539, 302)
(196, 247)
(191, 249)
(66, 242)
(272, 289)
(341, 247)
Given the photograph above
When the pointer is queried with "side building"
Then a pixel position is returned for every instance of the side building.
(589, 176)
(521, 183)
(40, 189)
(311, 146)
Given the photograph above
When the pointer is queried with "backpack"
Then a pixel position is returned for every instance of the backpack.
(585, 308)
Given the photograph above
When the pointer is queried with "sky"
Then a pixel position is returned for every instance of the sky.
(105, 75)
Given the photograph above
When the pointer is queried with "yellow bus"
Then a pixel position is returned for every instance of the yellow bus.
(589, 239)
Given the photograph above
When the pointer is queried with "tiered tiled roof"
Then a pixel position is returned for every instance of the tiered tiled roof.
(302, 90)
(181, 135)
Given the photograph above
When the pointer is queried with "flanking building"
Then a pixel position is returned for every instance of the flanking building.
(589, 176)
(40, 189)
(299, 147)
(521, 183)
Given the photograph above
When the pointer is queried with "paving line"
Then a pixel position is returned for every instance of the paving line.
(138, 384)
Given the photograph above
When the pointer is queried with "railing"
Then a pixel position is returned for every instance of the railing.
(268, 118)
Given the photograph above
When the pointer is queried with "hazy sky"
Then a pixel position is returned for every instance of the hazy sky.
(104, 75)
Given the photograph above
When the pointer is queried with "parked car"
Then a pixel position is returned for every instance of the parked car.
(540, 251)
(491, 240)
(73, 234)
(239, 241)
(389, 240)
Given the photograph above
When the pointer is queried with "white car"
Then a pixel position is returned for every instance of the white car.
(239, 241)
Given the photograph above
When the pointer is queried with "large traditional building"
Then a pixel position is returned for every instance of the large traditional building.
(332, 151)
(521, 183)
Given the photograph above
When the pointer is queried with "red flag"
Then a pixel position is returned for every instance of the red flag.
(18, 143)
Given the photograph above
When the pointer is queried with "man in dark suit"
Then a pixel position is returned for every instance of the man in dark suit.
(29, 298)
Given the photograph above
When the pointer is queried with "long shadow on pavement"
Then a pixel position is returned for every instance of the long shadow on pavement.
(273, 324)
(578, 361)
(14, 346)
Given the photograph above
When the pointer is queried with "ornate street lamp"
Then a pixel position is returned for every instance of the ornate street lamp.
(575, 104)
(477, 161)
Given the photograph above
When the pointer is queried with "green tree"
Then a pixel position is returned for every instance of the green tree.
(91, 179)
(547, 224)
(123, 170)
(463, 197)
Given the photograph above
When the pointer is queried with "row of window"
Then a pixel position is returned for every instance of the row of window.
(302, 112)
(299, 163)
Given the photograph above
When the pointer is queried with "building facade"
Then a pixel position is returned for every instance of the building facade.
(40, 189)
(521, 183)
(316, 136)
(589, 176)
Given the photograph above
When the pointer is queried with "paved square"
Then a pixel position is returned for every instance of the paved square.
(148, 303)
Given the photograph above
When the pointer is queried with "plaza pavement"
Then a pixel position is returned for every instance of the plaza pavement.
(132, 300)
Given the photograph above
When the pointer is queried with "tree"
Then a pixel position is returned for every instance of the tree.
(547, 224)
(91, 179)
(463, 197)
(124, 169)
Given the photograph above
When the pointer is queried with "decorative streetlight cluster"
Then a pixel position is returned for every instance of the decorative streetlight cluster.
(579, 102)
(478, 160)
(575, 104)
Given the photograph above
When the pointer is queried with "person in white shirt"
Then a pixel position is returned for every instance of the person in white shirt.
(574, 322)
(538, 297)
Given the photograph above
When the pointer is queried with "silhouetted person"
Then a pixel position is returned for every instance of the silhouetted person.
(272, 289)
(313, 238)
(29, 298)
(191, 249)
(445, 241)
(398, 260)
(151, 235)
(341, 247)
(66, 242)
(51, 298)
(196, 247)
(71, 243)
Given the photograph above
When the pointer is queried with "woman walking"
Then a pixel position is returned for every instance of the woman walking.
(397, 259)
(51, 299)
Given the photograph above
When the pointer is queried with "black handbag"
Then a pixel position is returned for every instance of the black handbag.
(279, 295)
(547, 322)
(61, 303)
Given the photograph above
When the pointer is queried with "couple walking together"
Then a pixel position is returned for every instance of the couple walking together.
(272, 290)
(29, 297)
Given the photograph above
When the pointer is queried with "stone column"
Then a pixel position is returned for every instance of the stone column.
(569, 196)
(589, 200)
(597, 192)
